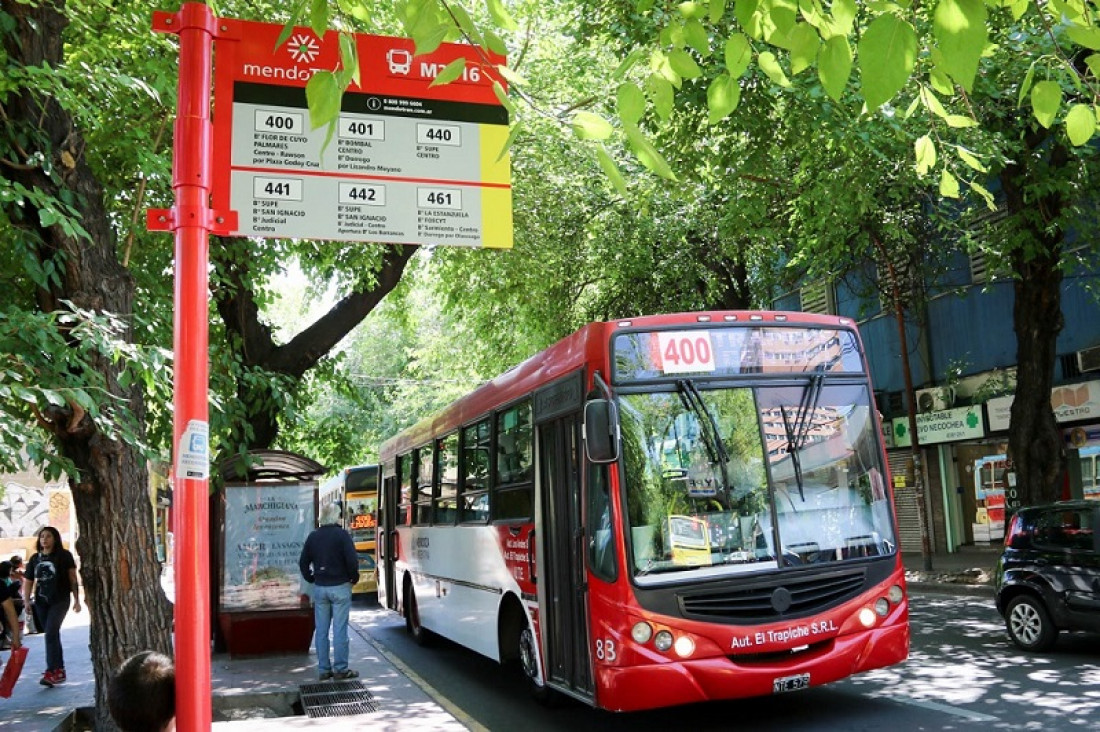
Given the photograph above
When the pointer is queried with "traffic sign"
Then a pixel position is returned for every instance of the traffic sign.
(409, 163)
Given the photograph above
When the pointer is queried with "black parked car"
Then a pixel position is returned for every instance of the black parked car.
(1048, 577)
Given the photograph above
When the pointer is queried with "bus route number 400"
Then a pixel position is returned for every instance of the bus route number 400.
(791, 683)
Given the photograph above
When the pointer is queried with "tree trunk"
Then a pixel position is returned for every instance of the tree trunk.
(1036, 450)
(255, 343)
(119, 570)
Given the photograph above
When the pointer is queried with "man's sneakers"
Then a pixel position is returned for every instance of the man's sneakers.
(325, 676)
(345, 674)
(53, 678)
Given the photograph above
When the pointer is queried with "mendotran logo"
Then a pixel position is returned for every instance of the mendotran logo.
(303, 48)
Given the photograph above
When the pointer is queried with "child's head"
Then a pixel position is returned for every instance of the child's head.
(142, 695)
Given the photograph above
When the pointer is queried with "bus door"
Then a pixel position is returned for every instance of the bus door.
(563, 591)
(385, 543)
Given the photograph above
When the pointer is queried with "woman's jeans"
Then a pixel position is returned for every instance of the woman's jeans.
(52, 615)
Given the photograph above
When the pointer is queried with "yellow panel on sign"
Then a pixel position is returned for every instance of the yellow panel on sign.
(496, 203)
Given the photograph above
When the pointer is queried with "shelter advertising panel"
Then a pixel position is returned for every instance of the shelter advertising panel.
(265, 528)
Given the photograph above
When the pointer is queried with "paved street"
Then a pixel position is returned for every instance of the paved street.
(962, 673)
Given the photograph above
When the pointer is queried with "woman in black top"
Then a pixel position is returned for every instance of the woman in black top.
(49, 580)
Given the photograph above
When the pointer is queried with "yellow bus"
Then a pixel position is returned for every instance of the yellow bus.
(355, 490)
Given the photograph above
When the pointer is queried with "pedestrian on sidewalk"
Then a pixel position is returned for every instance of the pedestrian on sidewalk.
(9, 604)
(142, 694)
(50, 579)
(328, 561)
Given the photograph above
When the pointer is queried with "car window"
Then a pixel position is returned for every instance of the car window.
(1065, 529)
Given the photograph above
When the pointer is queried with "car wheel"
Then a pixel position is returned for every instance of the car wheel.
(1029, 624)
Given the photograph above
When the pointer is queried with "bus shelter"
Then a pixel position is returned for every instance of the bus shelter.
(261, 514)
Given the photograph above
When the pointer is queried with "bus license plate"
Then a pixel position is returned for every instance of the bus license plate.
(791, 683)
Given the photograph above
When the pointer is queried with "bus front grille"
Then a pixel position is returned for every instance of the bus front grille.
(781, 597)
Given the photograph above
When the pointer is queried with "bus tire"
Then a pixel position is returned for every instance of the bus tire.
(529, 664)
(419, 633)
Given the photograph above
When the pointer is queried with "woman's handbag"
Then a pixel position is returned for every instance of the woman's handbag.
(12, 671)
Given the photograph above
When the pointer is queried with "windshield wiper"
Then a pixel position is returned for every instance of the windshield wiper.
(799, 432)
(712, 437)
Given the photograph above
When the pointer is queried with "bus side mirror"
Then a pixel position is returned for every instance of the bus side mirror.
(601, 431)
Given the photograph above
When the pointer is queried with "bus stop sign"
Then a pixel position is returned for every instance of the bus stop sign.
(409, 163)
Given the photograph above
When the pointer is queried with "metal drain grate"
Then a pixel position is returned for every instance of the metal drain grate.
(336, 699)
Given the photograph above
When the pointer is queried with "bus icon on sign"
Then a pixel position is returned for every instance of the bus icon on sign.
(400, 61)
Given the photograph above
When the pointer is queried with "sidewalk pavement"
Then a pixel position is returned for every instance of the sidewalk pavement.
(247, 688)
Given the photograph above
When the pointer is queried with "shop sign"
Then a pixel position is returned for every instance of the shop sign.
(1072, 403)
(950, 425)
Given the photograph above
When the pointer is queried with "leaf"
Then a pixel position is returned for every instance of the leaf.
(630, 103)
(510, 75)
(1025, 86)
(495, 43)
(932, 102)
(661, 94)
(984, 193)
(738, 55)
(295, 15)
(961, 35)
(647, 154)
(449, 73)
(844, 15)
(500, 15)
(723, 96)
(769, 64)
(502, 97)
(349, 55)
(691, 9)
(834, 65)
(803, 42)
(1080, 123)
(429, 37)
(1046, 98)
(970, 159)
(926, 155)
(590, 126)
(696, 36)
(959, 121)
(1088, 37)
(628, 63)
(323, 98)
(611, 170)
(717, 10)
(683, 64)
(949, 184)
(512, 135)
(318, 17)
(747, 18)
(1093, 62)
(887, 53)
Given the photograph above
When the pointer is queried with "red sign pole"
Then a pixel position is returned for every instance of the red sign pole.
(190, 219)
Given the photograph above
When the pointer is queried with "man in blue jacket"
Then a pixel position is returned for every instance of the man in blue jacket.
(329, 562)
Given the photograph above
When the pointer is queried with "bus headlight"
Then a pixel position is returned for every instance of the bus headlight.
(867, 617)
(895, 594)
(663, 641)
(684, 646)
(641, 632)
(882, 607)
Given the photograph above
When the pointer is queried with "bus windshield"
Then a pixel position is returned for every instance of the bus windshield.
(727, 480)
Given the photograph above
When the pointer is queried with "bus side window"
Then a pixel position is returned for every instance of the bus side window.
(474, 502)
(425, 474)
(407, 476)
(446, 500)
(601, 545)
(513, 496)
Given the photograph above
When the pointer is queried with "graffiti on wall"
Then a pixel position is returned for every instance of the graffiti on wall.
(23, 510)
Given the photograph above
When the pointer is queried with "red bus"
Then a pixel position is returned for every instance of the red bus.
(656, 511)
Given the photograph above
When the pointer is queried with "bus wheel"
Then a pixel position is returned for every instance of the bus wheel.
(528, 660)
(419, 633)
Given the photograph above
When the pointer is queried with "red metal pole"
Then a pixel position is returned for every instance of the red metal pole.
(191, 176)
